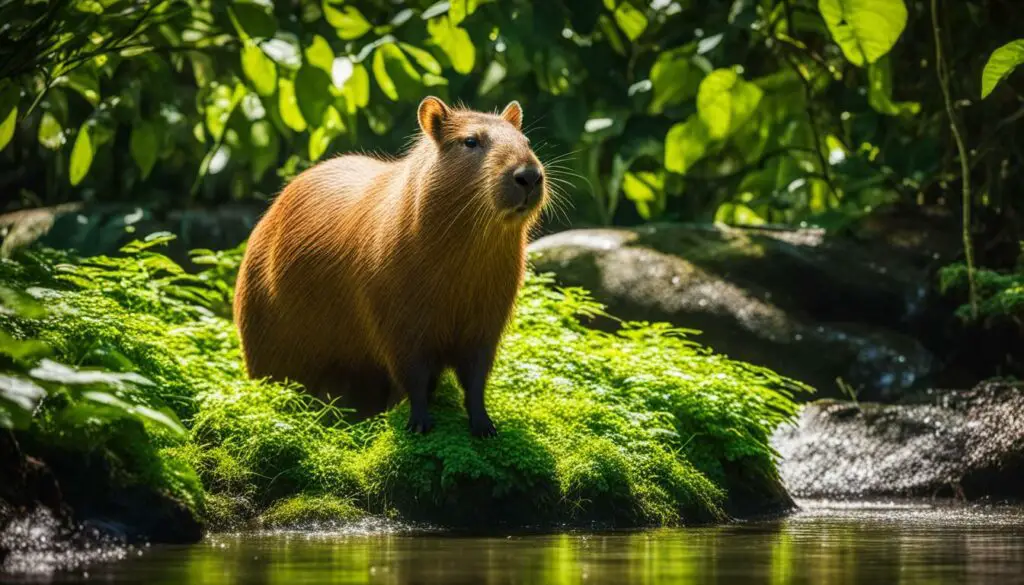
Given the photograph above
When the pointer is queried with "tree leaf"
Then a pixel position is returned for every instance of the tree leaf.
(864, 29)
(880, 91)
(321, 138)
(674, 77)
(631, 20)
(319, 54)
(737, 214)
(357, 87)
(8, 112)
(51, 133)
(313, 90)
(647, 191)
(84, 81)
(395, 75)
(1000, 65)
(259, 69)
(725, 101)
(686, 143)
(288, 105)
(283, 52)
(455, 43)
(254, 19)
(347, 21)
(423, 58)
(81, 154)
(144, 145)
(265, 146)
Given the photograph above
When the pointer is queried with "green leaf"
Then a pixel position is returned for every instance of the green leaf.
(674, 77)
(81, 154)
(18, 400)
(394, 73)
(313, 90)
(117, 408)
(686, 143)
(423, 58)
(321, 138)
(266, 147)
(647, 191)
(880, 91)
(319, 54)
(220, 104)
(357, 87)
(253, 19)
(737, 214)
(259, 69)
(51, 133)
(459, 10)
(288, 105)
(631, 20)
(89, 6)
(864, 29)
(725, 101)
(8, 112)
(84, 81)
(347, 21)
(455, 43)
(144, 145)
(1000, 65)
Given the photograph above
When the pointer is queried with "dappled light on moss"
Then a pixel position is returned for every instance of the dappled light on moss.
(635, 428)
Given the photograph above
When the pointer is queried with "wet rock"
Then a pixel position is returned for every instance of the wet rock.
(74, 495)
(810, 308)
(961, 444)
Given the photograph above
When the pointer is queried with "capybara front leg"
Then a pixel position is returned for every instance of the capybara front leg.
(472, 369)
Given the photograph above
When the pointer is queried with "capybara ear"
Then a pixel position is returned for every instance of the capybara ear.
(432, 115)
(513, 114)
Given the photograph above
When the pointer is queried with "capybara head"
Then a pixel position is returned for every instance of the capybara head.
(487, 157)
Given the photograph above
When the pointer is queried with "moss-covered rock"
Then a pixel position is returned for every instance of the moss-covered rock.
(812, 308)
(637, 427)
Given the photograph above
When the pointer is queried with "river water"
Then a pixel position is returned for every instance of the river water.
(824, 543)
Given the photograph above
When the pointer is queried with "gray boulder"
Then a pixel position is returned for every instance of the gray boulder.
(962, 444)
(810, 308)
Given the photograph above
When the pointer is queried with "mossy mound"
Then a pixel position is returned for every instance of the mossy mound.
(642, 427)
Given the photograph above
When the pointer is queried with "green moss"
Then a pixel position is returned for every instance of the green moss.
(999, 295)
(307, 510)
(639, 427)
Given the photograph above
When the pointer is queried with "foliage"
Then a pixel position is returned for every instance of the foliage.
(1000, 295)
(745, 111)
(99, 409)
(1001, 64)
(643, 426)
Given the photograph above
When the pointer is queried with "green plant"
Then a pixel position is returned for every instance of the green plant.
(643, 426)
(747, 111)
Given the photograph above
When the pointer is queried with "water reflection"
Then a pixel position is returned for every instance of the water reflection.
(823, 545)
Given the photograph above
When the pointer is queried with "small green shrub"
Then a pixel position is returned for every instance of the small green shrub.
(638, 427)
(999, 295)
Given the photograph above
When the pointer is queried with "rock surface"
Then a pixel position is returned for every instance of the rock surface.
(963, 444)
(808, 307)
(76, 493)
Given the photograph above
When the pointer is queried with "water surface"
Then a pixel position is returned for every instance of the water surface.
(825, 543)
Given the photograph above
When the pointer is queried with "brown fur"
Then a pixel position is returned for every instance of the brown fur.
(367, 277)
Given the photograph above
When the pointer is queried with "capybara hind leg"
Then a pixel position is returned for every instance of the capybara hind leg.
(363, 391)
(414, 380)
(472, 369)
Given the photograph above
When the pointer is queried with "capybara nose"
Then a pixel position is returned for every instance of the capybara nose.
(527, 177)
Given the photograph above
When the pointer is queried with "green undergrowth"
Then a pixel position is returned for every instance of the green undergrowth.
(642, 427)
(1000, 295)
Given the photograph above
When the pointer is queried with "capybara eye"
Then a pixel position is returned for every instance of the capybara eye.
(471, 142)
